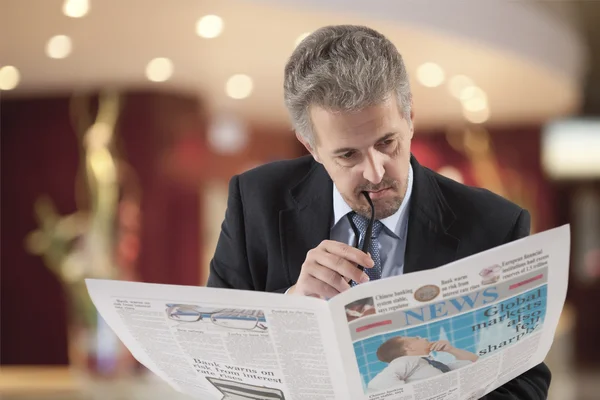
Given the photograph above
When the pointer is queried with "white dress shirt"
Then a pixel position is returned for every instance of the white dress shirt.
(392, 239)
(408, 369)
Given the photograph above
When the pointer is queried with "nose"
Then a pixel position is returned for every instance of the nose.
(373, 169)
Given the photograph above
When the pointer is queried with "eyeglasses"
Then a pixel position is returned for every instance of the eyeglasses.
(369, 231)
(239, 390)
(226, 318)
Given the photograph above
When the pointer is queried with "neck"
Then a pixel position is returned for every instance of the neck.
(417, 354)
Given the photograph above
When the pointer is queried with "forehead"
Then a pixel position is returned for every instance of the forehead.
(339, 128)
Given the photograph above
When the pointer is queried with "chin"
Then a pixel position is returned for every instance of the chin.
(386, 207)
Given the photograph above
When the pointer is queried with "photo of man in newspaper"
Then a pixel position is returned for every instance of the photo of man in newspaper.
(410, 359)
(217, 319)
(360, 308)
(416, 345)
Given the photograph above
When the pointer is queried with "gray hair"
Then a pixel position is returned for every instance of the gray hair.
(343, 68)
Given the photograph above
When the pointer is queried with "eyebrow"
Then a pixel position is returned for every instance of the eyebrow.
(347, 149)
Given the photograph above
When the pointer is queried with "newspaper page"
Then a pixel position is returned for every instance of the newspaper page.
(224, 344)
(452, 333)
(455, 332)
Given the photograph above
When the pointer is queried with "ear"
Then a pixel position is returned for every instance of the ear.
(412, 118)
(310, 149)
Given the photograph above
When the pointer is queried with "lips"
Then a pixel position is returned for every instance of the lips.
(379, 193)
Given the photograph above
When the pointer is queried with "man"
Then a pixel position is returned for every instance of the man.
(288, 225)
(409, 360)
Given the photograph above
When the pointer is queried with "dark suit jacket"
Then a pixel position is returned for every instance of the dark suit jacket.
(277, 212)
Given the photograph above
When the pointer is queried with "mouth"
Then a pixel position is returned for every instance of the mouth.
(376, 194)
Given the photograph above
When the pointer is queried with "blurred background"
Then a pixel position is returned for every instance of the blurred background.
(123, 121)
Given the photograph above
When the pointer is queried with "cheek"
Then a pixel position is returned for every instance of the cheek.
(393, 170)
(347, 177)
(354, 179)
(347, 181)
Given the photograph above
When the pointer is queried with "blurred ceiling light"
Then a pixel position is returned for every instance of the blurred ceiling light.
(477, 117)
(59, 46)
(209, 26)
(239, 86)
(430, 74)
(471, 92)
(458, 83)
(475, 104)
(228, 134)
(9, 77)
(159, 69)
(473, 99)
(76, 8)
(300, 38)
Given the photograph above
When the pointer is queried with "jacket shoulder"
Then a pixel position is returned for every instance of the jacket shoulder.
(486, 213)
(275, 179)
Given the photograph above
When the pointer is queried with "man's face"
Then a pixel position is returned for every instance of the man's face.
(367, 150)
(417, 345)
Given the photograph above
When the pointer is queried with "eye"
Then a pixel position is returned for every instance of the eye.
(386, 142)
(348, 155)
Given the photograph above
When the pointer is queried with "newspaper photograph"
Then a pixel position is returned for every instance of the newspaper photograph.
(216, 319)
(453, 333)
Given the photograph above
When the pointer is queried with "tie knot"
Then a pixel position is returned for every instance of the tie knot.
(362, 223)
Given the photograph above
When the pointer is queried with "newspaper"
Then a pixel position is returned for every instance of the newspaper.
(451, 333)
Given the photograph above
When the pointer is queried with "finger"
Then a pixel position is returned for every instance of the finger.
(328, 275)
(348, 252)
(341, 266)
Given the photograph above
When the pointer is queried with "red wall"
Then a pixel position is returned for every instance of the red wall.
(40, 156)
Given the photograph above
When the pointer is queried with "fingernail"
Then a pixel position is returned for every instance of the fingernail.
(364, 278)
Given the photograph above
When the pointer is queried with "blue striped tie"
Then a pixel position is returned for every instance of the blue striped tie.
(361, 223)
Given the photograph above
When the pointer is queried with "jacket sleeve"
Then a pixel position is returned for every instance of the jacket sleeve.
(533, 384)
(229, 267)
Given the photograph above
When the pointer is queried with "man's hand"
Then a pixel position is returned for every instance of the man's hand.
(441, 345)
(328, 268)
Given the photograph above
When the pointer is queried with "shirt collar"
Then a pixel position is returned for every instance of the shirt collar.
(395, 223)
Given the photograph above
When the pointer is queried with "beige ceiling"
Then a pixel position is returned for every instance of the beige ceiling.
(113, 44)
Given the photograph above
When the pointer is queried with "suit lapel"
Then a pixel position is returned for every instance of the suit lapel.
(430, 243)
(304, 226)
